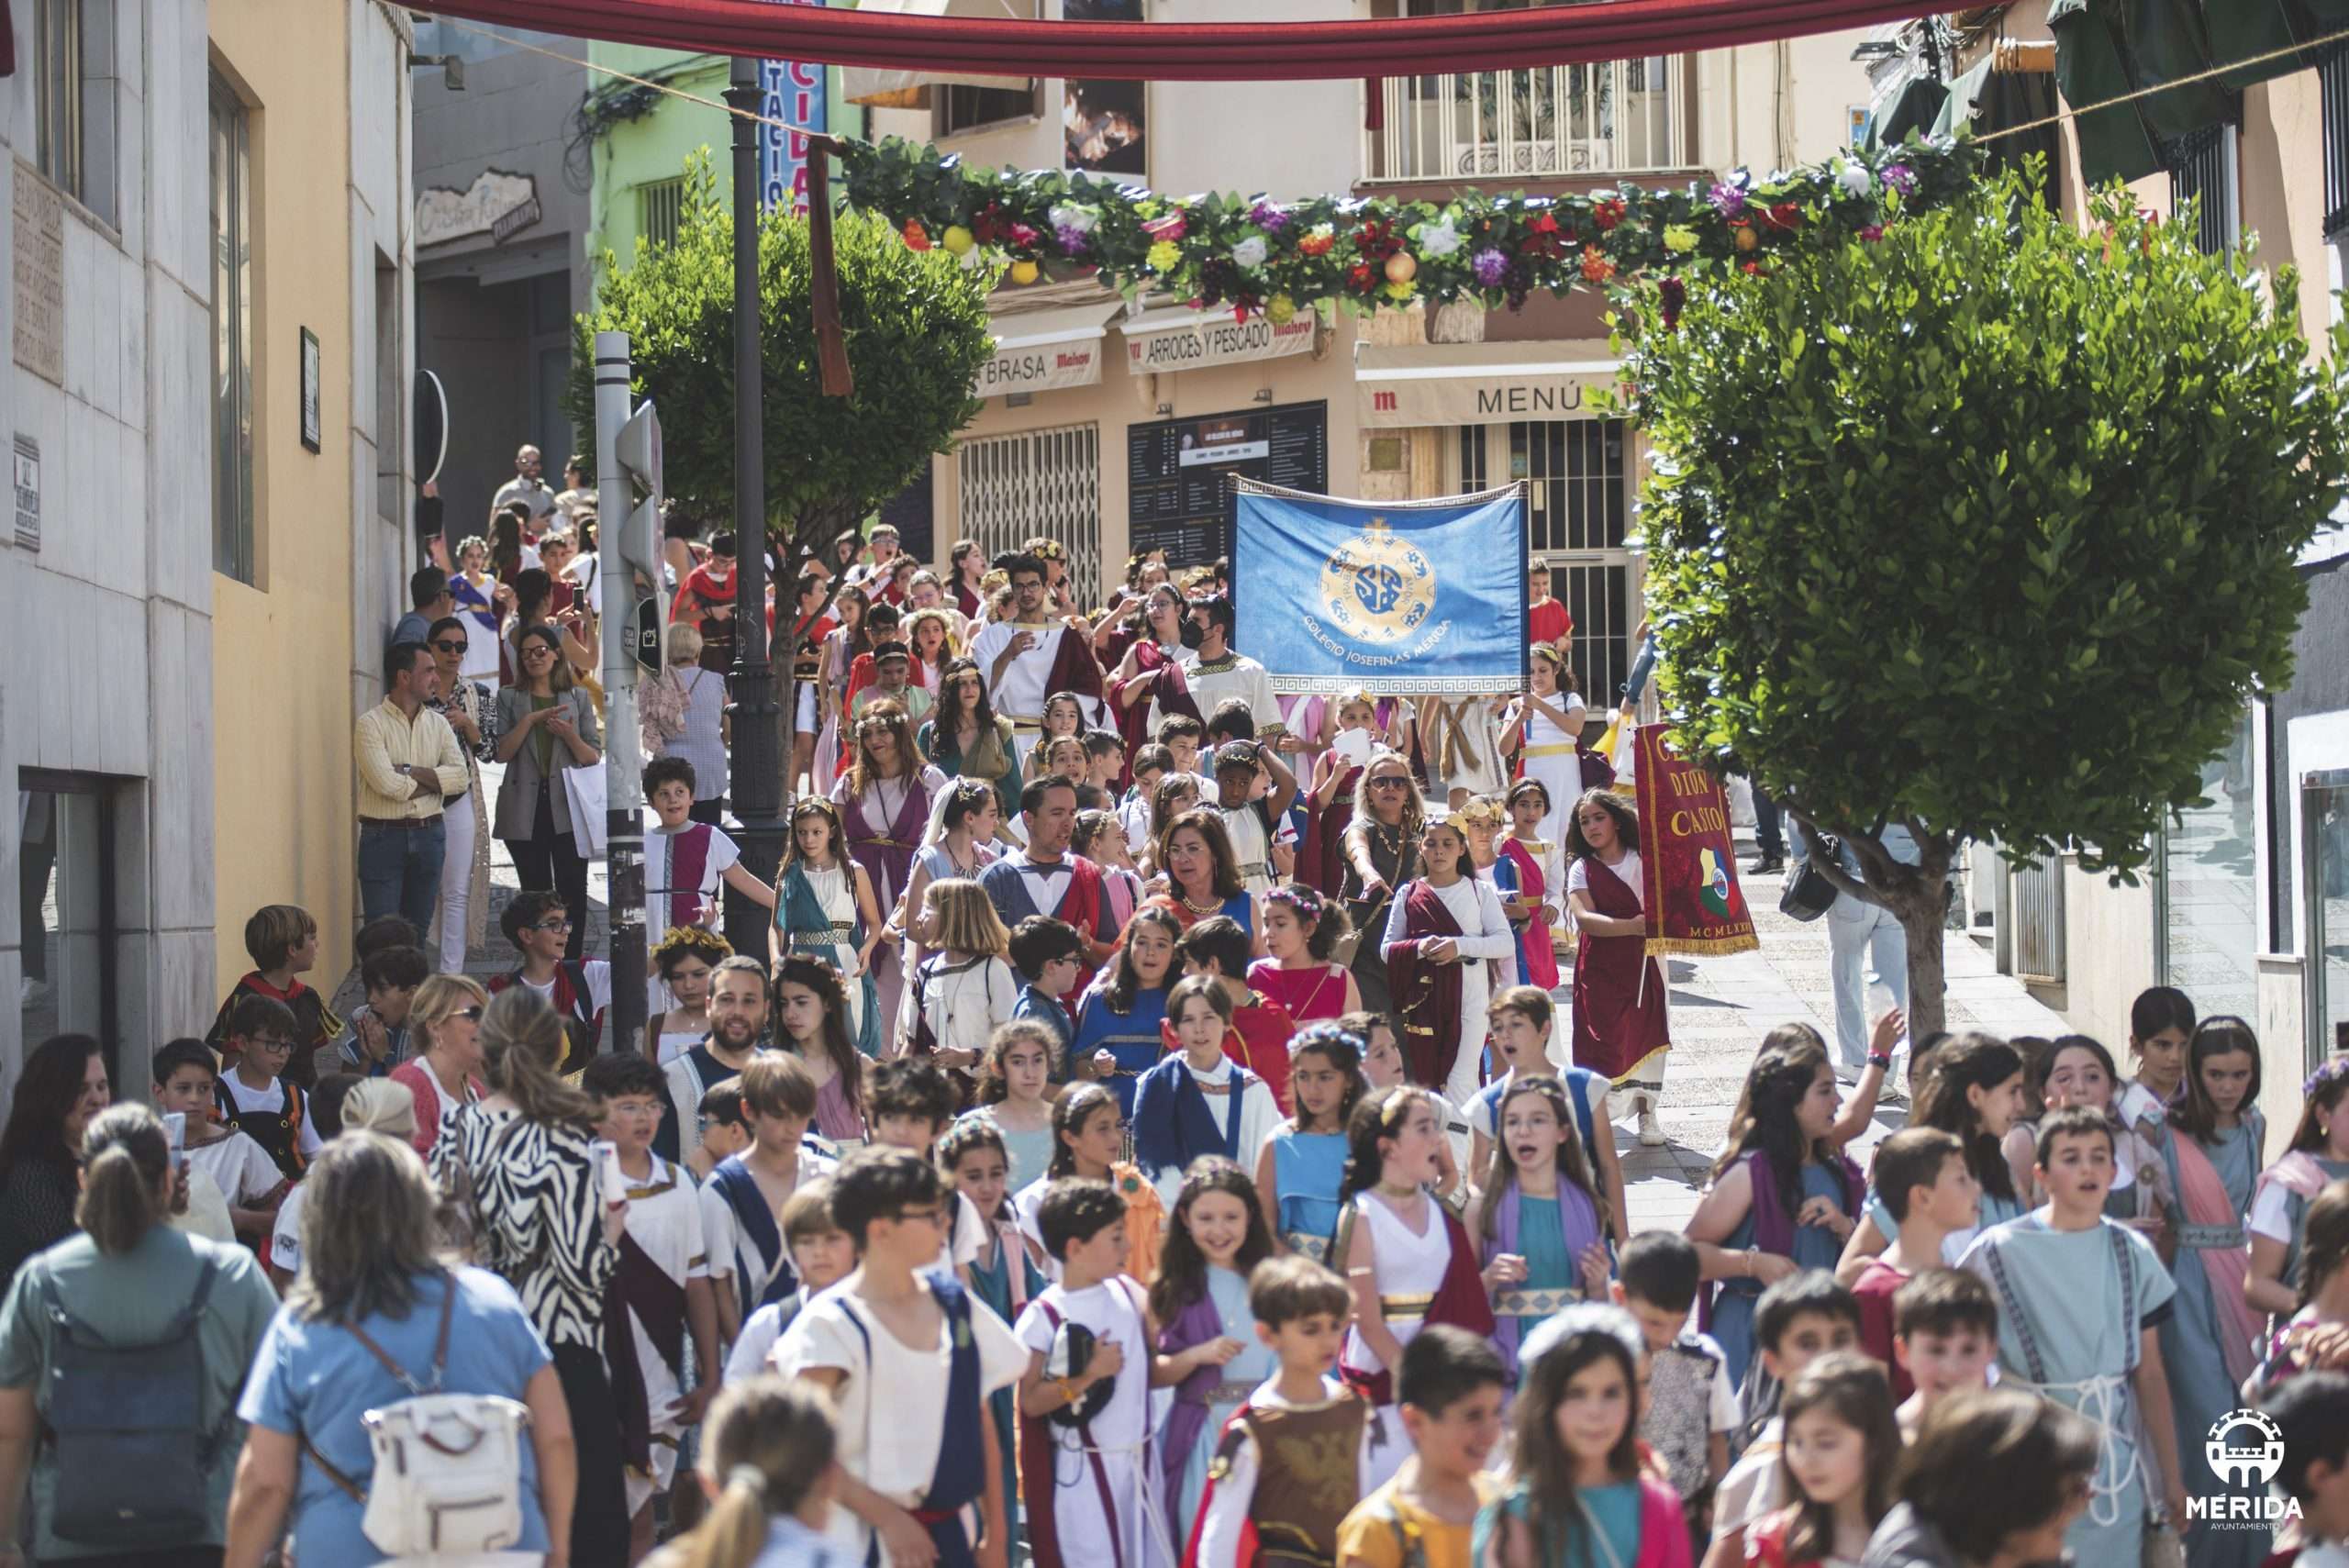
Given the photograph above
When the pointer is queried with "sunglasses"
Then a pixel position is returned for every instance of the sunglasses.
(537, 651)
(1388, 784)
(446, 646)
(472, 1014)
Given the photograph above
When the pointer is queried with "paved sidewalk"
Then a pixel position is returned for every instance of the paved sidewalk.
(1722, 1007)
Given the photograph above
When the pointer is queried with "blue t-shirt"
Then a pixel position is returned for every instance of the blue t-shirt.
(316, 1380)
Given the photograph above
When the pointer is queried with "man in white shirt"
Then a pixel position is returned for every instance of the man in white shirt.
(1027, 659)
(526, 487)
(1212, 672)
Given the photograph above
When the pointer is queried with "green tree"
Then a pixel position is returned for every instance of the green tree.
(917, 330)
(1986, 528)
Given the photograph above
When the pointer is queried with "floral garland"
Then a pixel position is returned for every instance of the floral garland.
(1252, 255)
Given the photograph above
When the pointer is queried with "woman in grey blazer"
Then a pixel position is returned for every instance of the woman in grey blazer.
(545, 724)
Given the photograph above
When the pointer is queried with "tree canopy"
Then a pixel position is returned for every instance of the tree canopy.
(917, 330)
(1984, 524)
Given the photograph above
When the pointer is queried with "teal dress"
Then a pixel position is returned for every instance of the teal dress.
(1815, 1247)
(1026, 1156)
(1613, 1509)
(1243, 1374)
(1542, 1241)
(1308, 1168)
(991, 1278)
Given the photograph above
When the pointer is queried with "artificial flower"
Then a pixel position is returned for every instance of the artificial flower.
(1023, 235)
(1438, 238)
(1400, 289)
(1251, 251)
(1073, 240)
(917, 237)
(1280, 310)
(1786, 215)
(1872, 233)
(1679, 238)
(1163, 256)
(1606, 212)
(1270, 216)
(1489, 266)
(1900, 177)
(1318, 242)
(1728, 200)
(1173, 227)
(1852, 179)
(1595, 268)
(1070, 216)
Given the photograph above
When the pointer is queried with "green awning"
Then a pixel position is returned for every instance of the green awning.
(2104, 49)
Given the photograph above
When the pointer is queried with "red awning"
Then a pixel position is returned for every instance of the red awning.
(1191, 51)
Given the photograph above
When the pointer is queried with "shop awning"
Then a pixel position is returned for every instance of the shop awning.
(1045, 350)
(1180, 338)
(1481, 383)
(891, 88)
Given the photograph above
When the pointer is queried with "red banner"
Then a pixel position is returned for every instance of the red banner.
(1191, 51)
(1687, 857)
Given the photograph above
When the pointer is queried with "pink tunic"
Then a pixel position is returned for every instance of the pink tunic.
(1310, 994)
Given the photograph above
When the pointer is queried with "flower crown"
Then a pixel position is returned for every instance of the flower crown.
(2333, 1071)
(1308, 902)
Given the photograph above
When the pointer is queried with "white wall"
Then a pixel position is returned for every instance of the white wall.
(105, 633)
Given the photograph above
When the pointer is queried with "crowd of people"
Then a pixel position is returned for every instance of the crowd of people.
(1152, 1136)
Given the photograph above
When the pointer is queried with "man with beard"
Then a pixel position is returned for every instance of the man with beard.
(1047, 880)
(738, 1027)
(1027, 658)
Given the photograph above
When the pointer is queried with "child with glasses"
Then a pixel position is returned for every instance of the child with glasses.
(539, 926)
(922, 1474)
(255, 1096)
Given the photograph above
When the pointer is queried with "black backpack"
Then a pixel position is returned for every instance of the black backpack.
(133, 1459)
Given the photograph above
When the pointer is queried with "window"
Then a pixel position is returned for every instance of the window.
(72, 76)
(232, 337)
(1036, 484)
(2210, 895)
(969, 108)
(660, 203)
(2203, 165)
(2325, 827)
(2333, 86)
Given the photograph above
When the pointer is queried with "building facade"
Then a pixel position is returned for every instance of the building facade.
(502, 167)
(204, 401)
(1110, 427)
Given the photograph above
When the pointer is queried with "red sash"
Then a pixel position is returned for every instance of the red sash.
(1460, 1301)
(1073, 670)
(1322, 859)
(1173, 694)
(1619, 992)
(1082, 908)
(1427, 995)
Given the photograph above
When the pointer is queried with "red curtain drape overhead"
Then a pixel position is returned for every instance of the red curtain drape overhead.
(1189, 51)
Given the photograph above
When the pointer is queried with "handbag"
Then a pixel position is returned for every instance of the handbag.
(448, 1467)
(1807, 893)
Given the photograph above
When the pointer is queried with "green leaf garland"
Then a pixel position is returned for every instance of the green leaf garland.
(1252, 255)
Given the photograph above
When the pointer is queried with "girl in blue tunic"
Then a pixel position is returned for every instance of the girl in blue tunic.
(1120, 1013)
(1304, 1162)
(1539, 1225)
(1782, 1198)
(1207, 1348)
(2213, 1142)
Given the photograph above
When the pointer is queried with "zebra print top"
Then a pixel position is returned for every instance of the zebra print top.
(528, 1196)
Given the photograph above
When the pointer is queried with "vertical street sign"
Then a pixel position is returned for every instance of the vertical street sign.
(793, 92)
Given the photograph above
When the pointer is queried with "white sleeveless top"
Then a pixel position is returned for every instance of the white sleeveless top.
(1406, 1264)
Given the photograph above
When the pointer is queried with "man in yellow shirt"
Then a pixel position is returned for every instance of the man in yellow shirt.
(408, 759)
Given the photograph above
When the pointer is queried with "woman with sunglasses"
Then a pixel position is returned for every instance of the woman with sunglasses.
(545, 724)
(1381, 853)
(444, 1023)
(472, 712)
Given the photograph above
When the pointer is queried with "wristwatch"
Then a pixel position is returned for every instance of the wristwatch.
(1881, 1059)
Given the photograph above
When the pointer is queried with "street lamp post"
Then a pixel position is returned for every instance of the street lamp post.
(756, 763)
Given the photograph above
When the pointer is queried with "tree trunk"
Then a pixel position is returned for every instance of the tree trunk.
(1922, 917)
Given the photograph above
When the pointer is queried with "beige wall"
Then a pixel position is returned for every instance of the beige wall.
(282, 648)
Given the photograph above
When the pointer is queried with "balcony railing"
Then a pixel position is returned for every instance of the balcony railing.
(1623, 116)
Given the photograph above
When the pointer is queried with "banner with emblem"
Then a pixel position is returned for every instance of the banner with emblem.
(1688, 860)
(1393, 596)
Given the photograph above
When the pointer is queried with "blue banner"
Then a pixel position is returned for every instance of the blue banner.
(1393, 596)
(794, 92)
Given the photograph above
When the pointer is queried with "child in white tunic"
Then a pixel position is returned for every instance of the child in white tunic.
(1093, 1489)
(891, 1390)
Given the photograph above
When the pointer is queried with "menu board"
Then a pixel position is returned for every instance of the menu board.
(1175, 473)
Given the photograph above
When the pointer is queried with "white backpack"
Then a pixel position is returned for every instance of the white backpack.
(448, 1470)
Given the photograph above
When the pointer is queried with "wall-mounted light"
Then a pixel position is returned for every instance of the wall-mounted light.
(1263, 394)
(1166, 410)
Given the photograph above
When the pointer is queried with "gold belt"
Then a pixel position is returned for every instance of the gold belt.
(1565, 750)
(1406, 1306)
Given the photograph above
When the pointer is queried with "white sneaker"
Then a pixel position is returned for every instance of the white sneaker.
(31, 993)
(1651, 1131)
